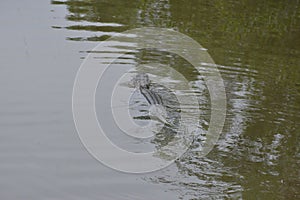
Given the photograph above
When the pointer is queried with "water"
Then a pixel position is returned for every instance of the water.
(255, 45)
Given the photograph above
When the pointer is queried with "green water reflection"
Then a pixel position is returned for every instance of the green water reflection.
(256, 45)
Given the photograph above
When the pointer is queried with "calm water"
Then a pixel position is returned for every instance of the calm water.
(256, 46)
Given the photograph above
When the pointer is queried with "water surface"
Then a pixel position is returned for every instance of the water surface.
(256, 47)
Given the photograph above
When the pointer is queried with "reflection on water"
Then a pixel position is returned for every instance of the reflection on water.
(256, 47)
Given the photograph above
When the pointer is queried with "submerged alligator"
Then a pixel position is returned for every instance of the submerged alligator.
(142, 82)
(167, 112)
(163, 102)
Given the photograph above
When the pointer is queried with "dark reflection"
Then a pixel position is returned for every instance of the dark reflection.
(256, 46)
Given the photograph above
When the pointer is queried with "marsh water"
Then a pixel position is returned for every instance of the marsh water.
(254, 44)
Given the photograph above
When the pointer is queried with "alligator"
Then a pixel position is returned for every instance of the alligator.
(142, 82)
(164, 104)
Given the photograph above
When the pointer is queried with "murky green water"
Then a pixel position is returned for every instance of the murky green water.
(256, 47)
